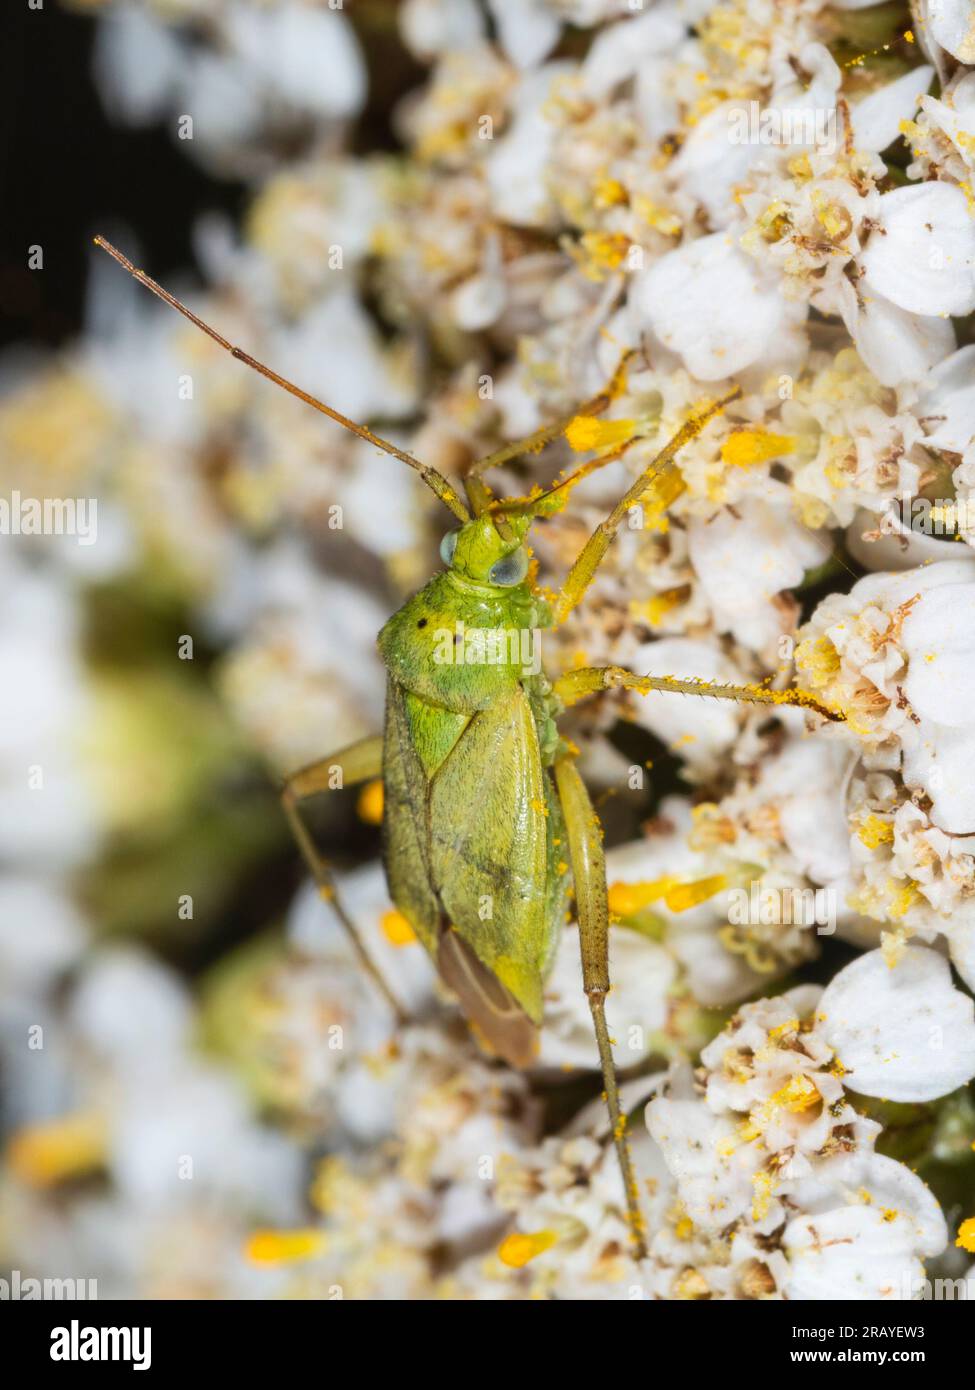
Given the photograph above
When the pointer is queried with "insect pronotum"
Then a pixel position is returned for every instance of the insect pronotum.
(482, 798)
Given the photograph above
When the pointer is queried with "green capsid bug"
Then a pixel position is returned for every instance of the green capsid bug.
(487, 825)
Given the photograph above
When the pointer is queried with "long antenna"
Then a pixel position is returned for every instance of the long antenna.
(434, 480)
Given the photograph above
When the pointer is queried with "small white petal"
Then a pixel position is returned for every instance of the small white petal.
(895, 345)
(877, 119)
(939, 635)
(893, 1187)
(946, 403)
(430, 27)
(714, 1190)
(136, 63)
(922, 255)
(902, 1032)
(527, 30)
(710, 163)
(618, 52)
(940, 762)
(952, 24)
(306, 56)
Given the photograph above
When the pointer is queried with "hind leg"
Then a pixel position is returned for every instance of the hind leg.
(589, 875)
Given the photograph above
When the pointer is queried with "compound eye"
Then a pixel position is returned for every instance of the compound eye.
(447, 547)
(511, 570)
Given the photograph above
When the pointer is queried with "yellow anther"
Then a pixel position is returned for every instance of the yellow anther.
(397, 929)
(966, 1235)
(586, 432)
(746, 447)
(518, 1249)
(687, 895)
(53, 1150)
(369, 806)
(285, 1247)
(626, 899)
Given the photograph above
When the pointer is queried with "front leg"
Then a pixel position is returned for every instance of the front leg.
(592, 680)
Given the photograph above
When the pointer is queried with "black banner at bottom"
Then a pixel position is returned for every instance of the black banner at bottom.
(166, 1339)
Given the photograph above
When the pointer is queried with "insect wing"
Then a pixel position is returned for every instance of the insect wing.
(488, 847)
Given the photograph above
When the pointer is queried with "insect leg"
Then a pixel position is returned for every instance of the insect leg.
(658, 473)
(356, 763)
(591, 680)
(532, 443)
(589, 876)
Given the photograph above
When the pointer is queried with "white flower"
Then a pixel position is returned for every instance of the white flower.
(528, 30)
(711, 306)
(774, 1168)
(901, 1031)
(747, 556)
(41, 934)
(516, 166)
(872, 1251)
(430, 27)
(306, 56)
(892, 657)
(136, 65)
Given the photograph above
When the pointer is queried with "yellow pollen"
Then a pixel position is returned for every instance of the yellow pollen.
(874, 831)
(369, 807)
(687, 895)
(397, 929)
(609, 192)
(518, 1249)
(284, 1247)
(586, 432)
(746, 447)
(903, 899)
(626, 899)
(966, 1235)
(655, 609)
(763, 1184)
(51, 1151)
(796, 1095)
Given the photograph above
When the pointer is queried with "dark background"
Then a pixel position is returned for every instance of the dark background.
(66, 173)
